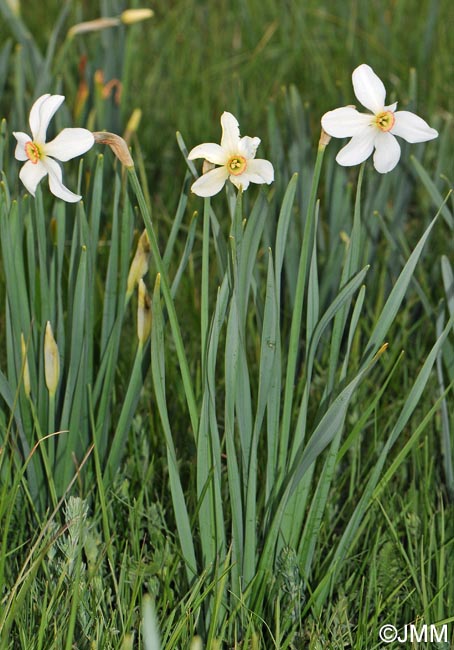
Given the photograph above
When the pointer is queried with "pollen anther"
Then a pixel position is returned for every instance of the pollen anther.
(236, 165)
(32, 151)
(385, 120)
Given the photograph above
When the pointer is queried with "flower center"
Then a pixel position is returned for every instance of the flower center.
(236, 165)
(32, 151)
(384, 121)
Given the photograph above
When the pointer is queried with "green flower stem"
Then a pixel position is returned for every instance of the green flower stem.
(205, 278)
(51, 429)
(48, 465)
(295, 329)
(351, 267)
(128, 409)
(184, 368)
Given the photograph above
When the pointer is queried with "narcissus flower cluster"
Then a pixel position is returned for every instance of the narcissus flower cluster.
(234, 159)
(41, 156)
(375, 131)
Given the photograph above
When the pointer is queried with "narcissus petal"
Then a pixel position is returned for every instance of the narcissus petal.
(248, 146)
(412, 128)
(358, 149)
(55, 182)
(210, 183)
(387, 152)
(230, 133)
(258, 171)
(210, 151)
(69, 143)
(41, 114)
(369, 88)
(345, 122)
(31, 174)
(22, 139)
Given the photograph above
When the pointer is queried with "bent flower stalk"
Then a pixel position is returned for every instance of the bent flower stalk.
(236, 156)
(376, 131)
(41, 156)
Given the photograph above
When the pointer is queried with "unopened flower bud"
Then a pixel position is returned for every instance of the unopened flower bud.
(130, 16)
(14, 5)
(143, 313)
(196, 643)
(117, 144)
(26, 374)
(139, 265)
(93, 26)
(133, 124)
(51, 361)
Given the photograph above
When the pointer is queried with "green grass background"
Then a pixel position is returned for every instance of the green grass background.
(278, 66)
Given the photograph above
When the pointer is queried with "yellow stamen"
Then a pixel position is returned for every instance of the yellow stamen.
(236, 165)
(32, 152)
(384, 121)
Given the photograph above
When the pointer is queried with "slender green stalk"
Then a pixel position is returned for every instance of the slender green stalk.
(178, 497)
(101, 494)
(293, 347)
(51, 429)
(205, 279)
(267, 367)
(47, 458)
(351, 267)
(141, 363)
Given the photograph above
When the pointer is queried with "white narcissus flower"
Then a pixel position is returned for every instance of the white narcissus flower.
(40, 154)
(237, 159)
(376, 131)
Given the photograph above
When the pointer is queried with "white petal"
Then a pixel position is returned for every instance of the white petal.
(345, 122)
(210, 183)
(412, 128)
(34, 117)
(241, 181)
(248, 146)
(55, 181)
(358, 149)
(31, 174)
(212, 152)
(391, 107)
(258, 171)
(230, 133)
(387, 152)
(41, 114)
(22, 139)
(369, 88)
(69, 144)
